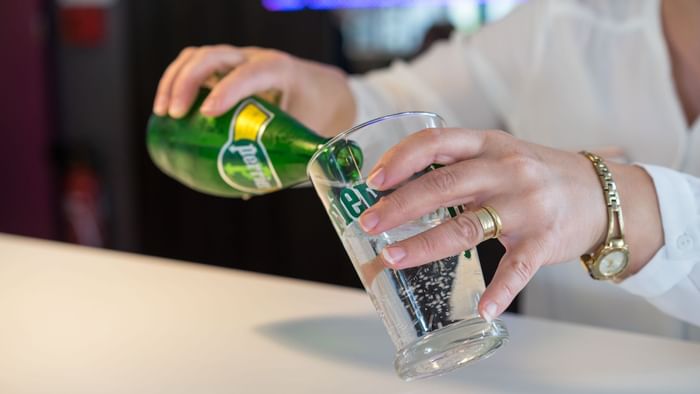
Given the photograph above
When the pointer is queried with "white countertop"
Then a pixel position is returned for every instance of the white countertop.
(80, 320)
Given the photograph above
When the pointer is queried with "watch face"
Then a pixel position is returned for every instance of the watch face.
(613, 263)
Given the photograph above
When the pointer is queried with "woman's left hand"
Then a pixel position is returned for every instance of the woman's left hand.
(550, 202)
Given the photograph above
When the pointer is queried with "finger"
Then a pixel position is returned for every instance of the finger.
(421, 149)
(462, 232)
(447, 239)
(245, 80)
(197, 70)
(514, 271)
(456, 184)
(370, 270)
(162, 99)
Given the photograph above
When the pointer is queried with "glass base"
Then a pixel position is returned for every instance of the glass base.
(449, 348)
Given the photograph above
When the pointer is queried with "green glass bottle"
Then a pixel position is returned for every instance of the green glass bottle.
(253, 149)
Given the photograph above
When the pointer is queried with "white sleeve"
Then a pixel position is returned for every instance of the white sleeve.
(469, 80)
(671, 280)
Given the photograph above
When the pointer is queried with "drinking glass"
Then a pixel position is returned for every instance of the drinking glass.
(430, 311)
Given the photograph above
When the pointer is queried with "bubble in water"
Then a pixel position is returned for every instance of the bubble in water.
(415, 301)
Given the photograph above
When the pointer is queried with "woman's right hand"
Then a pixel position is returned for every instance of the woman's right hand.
(316, 94)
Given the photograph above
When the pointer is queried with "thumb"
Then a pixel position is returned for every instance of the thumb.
(514, 271)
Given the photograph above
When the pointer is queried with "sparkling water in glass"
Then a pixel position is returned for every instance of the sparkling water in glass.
(430, 311)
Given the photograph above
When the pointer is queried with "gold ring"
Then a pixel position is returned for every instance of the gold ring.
(496, 219)
(490, 222)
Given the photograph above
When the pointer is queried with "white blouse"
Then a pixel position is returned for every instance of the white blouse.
(575, 75)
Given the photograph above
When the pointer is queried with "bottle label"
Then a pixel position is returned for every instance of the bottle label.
(243, 161)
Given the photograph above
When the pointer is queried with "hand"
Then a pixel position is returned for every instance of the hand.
(550, 201)
(317, 95)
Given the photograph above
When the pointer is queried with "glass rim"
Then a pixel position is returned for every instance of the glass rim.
(353, 129)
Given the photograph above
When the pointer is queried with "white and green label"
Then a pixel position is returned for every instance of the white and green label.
(243, 161)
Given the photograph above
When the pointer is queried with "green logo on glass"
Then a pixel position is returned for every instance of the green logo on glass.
(348, 203)
(243, 161)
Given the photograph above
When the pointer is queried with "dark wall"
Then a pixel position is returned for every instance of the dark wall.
(94, 102)
(27, 195)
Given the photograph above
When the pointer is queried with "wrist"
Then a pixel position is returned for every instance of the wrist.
(598, 213)
(330, 104)
(610, 260)
(643, 227)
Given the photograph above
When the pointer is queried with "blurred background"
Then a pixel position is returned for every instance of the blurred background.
(78, 79)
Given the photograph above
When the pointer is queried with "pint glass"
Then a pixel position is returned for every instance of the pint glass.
(430, 311)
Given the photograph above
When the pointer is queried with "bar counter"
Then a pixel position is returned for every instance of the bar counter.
(82, 320)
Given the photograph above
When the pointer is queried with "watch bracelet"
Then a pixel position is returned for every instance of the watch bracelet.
(612, 202)
(612, 197)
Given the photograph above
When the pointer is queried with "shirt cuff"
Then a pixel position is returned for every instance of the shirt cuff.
(677, 258)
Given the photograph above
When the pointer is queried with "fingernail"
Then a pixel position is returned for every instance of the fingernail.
(376, 179)
(177, 109)
(393, 255)
(489, 312)
(369, 220)
(207, 106)
(159, 106)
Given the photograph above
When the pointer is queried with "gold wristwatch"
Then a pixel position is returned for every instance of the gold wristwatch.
(610, 259)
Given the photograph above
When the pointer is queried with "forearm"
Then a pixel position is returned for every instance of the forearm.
(640, 208)
(345, 107)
